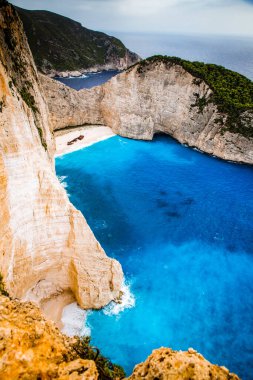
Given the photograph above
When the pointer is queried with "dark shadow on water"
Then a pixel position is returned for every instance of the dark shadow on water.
(102, 211)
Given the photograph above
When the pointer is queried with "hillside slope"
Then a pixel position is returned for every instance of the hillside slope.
(60, 44)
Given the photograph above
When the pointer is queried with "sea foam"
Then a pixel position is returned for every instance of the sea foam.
(127, 302)
(63, 183)
(74, 319)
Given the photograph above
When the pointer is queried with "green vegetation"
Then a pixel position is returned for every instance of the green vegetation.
(60, 43)
(106, 369)
(1, 105)
(9, 39)
(3, 292)
(200, 102)
(43, 142)
(29, 99)
(232, 92)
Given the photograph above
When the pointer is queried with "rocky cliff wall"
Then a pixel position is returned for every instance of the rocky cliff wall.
(161, 98)
(143, 101)
(46, 246)
(70, 108)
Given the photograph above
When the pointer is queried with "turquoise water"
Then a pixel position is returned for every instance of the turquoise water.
(181, 224)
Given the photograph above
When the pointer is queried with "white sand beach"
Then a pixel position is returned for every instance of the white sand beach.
(80, 137)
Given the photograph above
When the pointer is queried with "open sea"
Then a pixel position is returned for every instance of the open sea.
(181, 224)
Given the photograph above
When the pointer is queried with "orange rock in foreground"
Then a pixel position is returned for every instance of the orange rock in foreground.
(166, 364)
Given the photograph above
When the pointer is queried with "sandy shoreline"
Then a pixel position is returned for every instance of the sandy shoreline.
(53, 307)
(91, 135)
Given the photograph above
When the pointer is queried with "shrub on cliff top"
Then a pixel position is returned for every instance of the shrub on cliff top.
(3, 292)
(232, 92)
(106, 369)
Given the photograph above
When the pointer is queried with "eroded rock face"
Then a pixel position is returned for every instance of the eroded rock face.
(160, 98)
(33, 348)
(166, 364)
(141, 102)
(70, 108)
(46, 246)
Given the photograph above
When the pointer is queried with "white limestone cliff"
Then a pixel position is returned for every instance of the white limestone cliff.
(140, 103)
(46, 245)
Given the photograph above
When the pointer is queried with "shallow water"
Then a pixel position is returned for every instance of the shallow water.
(180, 222)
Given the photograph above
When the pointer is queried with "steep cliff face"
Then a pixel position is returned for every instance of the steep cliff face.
(70, 108)
(164, 98)
(46, 246)
(60, 44)
(153, 98)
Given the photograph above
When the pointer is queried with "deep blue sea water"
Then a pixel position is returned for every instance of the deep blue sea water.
(88, 80)
(181, 224)
(235, 53)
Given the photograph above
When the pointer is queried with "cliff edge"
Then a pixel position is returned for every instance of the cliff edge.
(46, 246)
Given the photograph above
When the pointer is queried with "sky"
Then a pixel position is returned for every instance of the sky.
(229, 17)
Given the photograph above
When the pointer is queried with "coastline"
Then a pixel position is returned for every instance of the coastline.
(53, 308)
(91, 135)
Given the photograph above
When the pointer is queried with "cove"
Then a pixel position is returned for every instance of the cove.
(181, 224)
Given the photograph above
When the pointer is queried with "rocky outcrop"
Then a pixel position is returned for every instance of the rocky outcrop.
(46, 246)
(166, 364)
(143, 101)
(62, 46)
(33, 348)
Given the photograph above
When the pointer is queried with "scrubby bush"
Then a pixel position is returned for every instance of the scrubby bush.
(3, 292)
(106, 369)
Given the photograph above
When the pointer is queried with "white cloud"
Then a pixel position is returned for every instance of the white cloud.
(179, 16)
